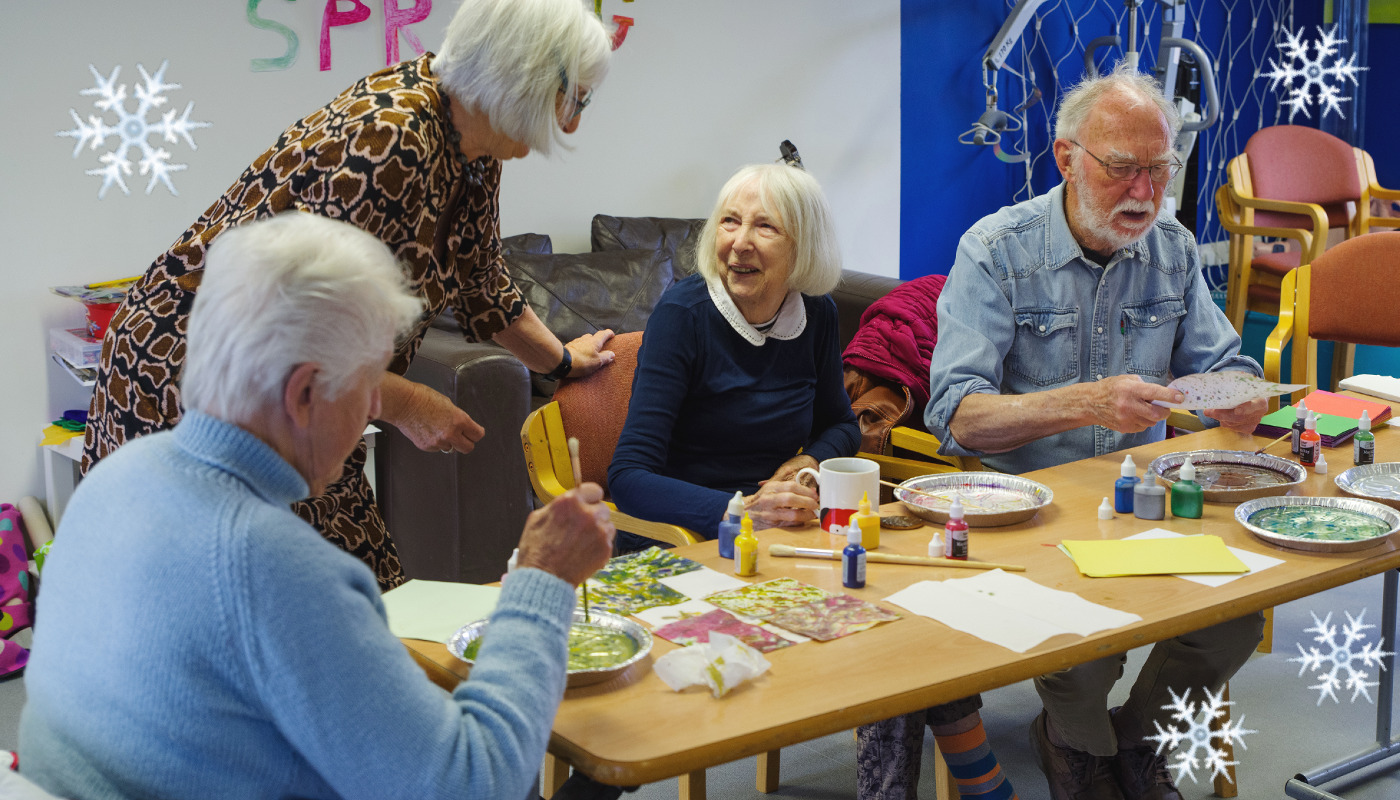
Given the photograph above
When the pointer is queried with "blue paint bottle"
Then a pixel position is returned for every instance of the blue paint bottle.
(1124, 486)
(729, 526)
(853, 560)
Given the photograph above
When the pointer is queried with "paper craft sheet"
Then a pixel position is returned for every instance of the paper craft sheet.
(698, 629)
(703, 582)
(629, 598)
(658, 616)
(1008, 610)
(1106, 558)
(434, 610)
(1224, 389)
(652, 564)
(1255, 561)
(832, 617)
(763, 600)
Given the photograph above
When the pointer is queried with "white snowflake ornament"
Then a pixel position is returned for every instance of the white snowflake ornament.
(1203, 748)
(132, 129)
(1336, 658)
(1317, 73)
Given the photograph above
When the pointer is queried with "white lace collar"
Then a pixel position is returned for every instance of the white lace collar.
(791, 320)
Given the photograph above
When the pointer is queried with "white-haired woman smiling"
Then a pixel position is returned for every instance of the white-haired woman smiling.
(200, 640)
(740, 366)
(411, 154)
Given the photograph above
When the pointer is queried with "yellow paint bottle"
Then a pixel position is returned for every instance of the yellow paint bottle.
(868, 522)
(746, 549)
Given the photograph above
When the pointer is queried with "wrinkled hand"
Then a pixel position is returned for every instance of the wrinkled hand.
(1124, 403)
(430, 420)
(571, 537)
(781, 504)
(588, 353)
(788, 471)
(1242, 418)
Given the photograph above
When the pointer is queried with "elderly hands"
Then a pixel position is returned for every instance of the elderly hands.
(1124, 403)
(571, 537)
(427, 417)
(588, 353)
(782, 501)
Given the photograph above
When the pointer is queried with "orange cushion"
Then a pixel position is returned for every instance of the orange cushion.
(1354, 293)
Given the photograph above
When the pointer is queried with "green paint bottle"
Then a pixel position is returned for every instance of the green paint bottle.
(1363, 444)
(1188, 499)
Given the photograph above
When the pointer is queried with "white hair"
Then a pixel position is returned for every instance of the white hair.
(508, 59)
(795, 199)
(292, 289)
(1080, 100)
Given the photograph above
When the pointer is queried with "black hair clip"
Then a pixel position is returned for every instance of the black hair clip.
(790, 156)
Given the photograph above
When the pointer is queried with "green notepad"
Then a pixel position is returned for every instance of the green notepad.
(1177, 556)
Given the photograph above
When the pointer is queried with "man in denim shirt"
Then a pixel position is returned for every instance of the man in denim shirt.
(1061, 322)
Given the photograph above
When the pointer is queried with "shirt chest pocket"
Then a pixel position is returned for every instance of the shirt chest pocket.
(1149, 334)
(1046, 349)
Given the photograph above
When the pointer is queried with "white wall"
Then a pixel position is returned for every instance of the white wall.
(697, 89)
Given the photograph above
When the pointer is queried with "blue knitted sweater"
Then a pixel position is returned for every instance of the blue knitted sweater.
(199, 641)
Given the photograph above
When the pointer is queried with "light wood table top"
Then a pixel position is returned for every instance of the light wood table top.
(635, 730)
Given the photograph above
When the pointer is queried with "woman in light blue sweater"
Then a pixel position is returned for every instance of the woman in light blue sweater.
(199, 640)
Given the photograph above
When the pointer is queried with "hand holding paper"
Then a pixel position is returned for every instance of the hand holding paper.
(1225, 389)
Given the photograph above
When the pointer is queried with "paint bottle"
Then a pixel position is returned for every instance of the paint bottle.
(1188, 498)
(746, 549)
(1124, 486)
(868, 523)
(1105, 509)
(729, 526)
(1321, 466)
(853, 560)
(1363, 444)
(955, 533)
(1299, 420)
(1149, 499)
(1309, 444)
(936, 548)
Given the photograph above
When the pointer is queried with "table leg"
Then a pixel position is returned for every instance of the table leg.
(556, 771)
(693, 785)
(768, 766)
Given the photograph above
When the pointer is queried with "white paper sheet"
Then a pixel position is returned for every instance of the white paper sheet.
(703, 582)
(1224, 389)
(1008, 610)
(1255, 561)
(1382, 386)
(434, 610)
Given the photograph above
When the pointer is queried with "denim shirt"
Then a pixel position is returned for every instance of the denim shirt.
(1024, 310)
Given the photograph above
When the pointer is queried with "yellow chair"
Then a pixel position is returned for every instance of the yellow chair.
(1348, 295)
(1297, 183)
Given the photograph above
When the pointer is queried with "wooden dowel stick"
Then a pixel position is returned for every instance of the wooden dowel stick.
(911, 489)
(788, 551)
(1261, 450)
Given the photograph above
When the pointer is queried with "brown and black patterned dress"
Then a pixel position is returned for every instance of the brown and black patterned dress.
(378, 156)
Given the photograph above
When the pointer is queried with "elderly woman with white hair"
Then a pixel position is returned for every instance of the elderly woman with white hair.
(739, 381)
(411, 154)
(200, 640)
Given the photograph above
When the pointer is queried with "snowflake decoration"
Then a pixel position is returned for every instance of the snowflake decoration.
(132, 129)
(1341, 657)
(1207, 748)
(1314, 72)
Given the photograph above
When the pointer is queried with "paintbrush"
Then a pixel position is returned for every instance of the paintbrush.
(788, 551)
(1261, 450)
(578, 481)
(912, 490)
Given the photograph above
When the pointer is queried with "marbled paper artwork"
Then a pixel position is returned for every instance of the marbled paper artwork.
(763, 600)
(832, 617)
(698, 629)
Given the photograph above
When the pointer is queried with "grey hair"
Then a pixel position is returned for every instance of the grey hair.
(795, 198)
(505, 59)
(1076, 104)
(292, 289)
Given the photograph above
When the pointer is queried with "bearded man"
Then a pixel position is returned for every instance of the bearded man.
(1062, 321)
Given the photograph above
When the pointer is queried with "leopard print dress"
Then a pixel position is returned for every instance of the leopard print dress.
(380, 157)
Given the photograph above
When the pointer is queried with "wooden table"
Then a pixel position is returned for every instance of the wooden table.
(635, 730)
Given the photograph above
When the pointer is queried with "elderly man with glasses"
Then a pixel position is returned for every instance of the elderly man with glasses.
(1062, 321)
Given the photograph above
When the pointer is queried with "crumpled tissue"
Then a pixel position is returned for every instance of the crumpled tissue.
(721, 664)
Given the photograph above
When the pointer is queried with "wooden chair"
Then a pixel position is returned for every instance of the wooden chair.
(1296, 183)
(593, 410)
(1348, 295)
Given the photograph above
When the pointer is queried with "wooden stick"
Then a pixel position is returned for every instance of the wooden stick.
(1261, 450)
(578, 481)
(788, 551)
(911, 489)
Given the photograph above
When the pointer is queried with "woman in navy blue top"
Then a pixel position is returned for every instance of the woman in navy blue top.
(738, 383)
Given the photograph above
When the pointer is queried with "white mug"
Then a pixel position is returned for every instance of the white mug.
(841, 484)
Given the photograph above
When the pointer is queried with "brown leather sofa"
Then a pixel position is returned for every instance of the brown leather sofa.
(457, 517)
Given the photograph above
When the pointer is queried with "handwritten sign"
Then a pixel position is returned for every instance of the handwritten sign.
(396, 21)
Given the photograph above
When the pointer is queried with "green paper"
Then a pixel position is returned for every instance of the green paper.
(1327, 424)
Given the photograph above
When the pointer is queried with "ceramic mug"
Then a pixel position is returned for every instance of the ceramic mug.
(841, 484)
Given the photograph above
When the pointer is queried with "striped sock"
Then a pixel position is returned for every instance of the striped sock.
(974, 765)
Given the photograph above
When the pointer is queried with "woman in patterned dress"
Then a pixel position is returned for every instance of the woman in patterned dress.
(411, 154)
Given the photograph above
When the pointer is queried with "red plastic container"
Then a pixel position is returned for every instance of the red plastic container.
(99, 316)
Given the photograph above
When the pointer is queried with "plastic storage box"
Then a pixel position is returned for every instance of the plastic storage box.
(75, 346)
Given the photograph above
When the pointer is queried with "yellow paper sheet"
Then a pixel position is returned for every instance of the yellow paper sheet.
(434, 610)
(57, 434)
(1188, 554)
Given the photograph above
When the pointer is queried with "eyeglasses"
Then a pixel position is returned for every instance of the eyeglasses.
(580, 102)
(1127, 170)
